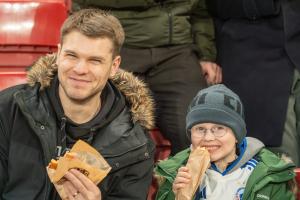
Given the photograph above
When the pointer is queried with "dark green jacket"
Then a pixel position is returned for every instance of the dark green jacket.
(269, 180)
(150, 23)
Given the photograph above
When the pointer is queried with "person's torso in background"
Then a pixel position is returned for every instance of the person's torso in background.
(149, 23)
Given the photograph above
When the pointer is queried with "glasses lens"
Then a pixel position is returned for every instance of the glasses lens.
(199, 131)
(219, 131)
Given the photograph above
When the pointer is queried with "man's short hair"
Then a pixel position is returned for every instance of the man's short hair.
(95, 23)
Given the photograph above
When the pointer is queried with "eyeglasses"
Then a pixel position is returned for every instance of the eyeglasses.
(218, 131)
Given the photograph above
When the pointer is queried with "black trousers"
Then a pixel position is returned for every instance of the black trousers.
(174, 76)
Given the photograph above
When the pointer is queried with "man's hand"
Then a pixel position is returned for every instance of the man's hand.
(78, 186)
(212, 72)
(182, 179)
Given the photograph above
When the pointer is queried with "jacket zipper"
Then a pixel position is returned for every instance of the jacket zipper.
(170, 27)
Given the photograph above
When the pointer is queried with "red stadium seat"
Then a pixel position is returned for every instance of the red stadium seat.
(163, 146)
(9, 77)
(297, 171)
(163, 150)
(28, 30)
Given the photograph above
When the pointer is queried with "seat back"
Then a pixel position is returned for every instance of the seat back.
(163, 150)
(28, 30)
(297, 171)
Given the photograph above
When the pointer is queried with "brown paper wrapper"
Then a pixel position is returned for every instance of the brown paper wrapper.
(197, 164)
(59, 187)
(82, 157)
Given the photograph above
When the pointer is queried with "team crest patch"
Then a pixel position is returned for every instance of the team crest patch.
(239, 193)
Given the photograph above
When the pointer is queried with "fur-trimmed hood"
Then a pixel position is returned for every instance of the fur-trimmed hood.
(134, 90)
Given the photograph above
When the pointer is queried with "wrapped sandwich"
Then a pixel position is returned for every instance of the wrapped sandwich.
(82, 157)
(197, 164)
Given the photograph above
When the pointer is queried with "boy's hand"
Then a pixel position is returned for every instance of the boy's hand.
(182, 179)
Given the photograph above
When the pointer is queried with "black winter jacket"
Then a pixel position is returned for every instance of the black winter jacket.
(28, 131)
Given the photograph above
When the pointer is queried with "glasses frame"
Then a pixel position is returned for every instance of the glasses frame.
(213, 130)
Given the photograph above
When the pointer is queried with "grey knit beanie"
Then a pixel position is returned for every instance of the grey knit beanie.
(217, 104)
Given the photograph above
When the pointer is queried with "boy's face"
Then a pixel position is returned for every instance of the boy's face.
(84, 66)
(219, 140)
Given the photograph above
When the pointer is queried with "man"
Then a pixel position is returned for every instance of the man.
(170, 44)
(258, 46)
(78, 94)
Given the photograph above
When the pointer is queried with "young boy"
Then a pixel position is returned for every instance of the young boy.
(241, 168)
